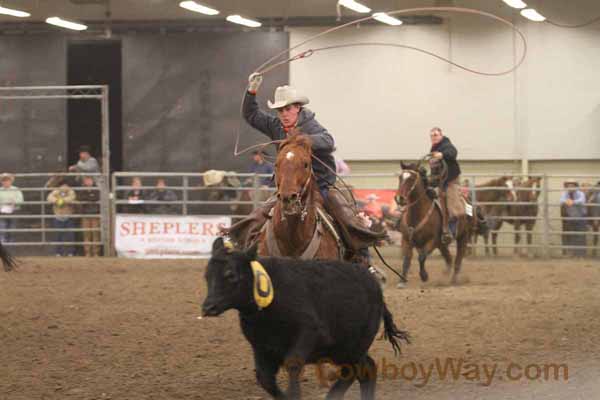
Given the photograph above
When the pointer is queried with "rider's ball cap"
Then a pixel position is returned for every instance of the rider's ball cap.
(286, 95)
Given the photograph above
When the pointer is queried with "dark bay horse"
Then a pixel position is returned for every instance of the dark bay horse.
(297, 227)
(422, 222)
(7, 261)
(500, 190)
(524, 215)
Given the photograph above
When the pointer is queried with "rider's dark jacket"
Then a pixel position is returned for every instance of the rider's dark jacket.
(446, 147)
(323, 144)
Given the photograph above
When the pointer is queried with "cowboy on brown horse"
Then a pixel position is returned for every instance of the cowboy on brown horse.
(452, 201)
(294, 118)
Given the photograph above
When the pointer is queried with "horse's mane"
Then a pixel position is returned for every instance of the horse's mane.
(298, 140)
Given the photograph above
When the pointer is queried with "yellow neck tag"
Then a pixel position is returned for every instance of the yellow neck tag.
(263, 287)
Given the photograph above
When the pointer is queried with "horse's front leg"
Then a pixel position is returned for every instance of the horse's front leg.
(422, 271)
(407, 253)
(461, 247)
(423, 253)
(447, 258)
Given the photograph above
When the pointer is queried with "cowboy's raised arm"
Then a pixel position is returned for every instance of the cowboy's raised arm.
(258, 119)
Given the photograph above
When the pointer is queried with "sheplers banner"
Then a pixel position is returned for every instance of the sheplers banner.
(166, 236)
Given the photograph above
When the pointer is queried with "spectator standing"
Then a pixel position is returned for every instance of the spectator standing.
(161, 193)
(135, 197)
(62, 200)
(89, 197)
(572, 203)
(11, 199)
(261, 167)
(86, 164)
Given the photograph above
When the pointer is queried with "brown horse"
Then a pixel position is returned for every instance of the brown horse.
(524, 214)
(298, 227)
(494, 191)
(7, 261)
(422, 222)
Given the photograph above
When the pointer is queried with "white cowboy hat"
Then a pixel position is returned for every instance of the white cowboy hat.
(286, 95)
(212, 177)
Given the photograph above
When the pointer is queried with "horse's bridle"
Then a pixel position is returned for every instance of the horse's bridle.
(398, 197)
(299, 195)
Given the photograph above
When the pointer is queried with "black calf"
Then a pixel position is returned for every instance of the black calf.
(320, 310)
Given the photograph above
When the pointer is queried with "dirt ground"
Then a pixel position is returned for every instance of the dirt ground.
(73, 328)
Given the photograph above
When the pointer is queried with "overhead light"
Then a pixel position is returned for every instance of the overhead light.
(515, 3)
(14, 13)
(533, 15)
(66, 24)
(386, 19)
(238, 19)
(193, 6)
(355, 6)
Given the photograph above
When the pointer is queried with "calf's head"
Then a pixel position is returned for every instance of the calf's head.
(230, 277)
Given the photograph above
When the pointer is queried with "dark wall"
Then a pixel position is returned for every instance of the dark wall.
(181, 99)
(32, 132)
(182, 94)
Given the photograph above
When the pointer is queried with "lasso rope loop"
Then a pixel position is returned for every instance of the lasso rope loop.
(273, 62)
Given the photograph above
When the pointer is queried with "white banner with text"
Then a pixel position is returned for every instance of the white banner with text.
(166, 236)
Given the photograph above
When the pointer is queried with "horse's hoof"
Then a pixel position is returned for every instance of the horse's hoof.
(401, 285)
(454, 280)
(424, 276)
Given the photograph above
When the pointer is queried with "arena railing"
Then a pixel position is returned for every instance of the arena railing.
(31, 223)
(238, 194)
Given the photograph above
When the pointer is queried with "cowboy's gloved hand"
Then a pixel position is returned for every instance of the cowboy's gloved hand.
(254, 81)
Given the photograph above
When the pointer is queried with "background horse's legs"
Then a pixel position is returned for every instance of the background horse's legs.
(517, 227)
(595, 228)
(529, 228)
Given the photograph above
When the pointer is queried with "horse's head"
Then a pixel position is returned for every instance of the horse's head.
(293, 172)
(408, 180)
(509, 182)
(535, 185)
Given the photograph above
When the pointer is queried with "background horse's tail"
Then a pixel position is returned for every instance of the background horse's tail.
(391, 332)
(7, 260)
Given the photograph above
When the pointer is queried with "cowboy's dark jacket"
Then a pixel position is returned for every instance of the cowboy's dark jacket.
(446, 147)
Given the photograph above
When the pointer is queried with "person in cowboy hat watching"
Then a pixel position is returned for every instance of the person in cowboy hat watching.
(292, 118)
(11, 199)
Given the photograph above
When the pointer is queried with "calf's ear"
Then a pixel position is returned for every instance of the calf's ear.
(218, 245)
(252, 251)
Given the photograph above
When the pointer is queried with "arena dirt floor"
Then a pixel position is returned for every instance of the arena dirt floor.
(74, 328)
